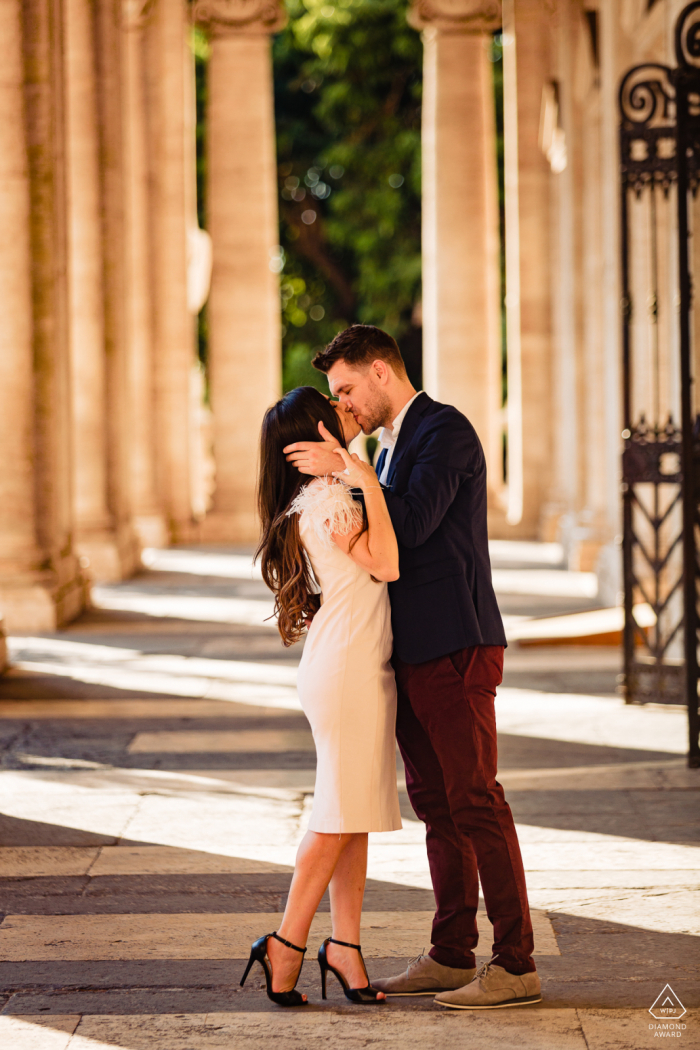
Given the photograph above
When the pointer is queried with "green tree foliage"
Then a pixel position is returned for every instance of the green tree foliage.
(347, 106)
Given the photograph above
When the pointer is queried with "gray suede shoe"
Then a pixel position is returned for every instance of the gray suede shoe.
(493, 988)
(424, 976)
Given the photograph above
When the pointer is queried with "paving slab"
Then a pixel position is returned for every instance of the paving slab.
(184, 741)
(37, 1032)
(36, 861)
(165, 707)
(629, 1029)
(315, 1028)
(341, 1027)
(218, 936)
(146, 860)
(104, 824)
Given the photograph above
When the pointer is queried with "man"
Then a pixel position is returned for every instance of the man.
(448, 659)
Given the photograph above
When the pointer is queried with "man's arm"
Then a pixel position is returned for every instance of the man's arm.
(448, 455)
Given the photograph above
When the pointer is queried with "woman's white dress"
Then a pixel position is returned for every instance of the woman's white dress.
(346, 683)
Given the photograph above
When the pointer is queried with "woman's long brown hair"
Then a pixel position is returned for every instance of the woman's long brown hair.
(285, 567)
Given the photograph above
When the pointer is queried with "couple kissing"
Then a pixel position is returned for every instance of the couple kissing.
(389, 572)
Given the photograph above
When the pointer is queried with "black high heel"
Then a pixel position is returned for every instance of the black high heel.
(258, 953)
(368, 994)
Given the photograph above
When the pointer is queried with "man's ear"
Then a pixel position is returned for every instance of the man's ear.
(381, 370)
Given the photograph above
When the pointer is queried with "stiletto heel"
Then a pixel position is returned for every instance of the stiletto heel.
(247, 969)
(258, 953)
(365, 995)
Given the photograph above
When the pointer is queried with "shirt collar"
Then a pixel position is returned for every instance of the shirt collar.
(388, 436)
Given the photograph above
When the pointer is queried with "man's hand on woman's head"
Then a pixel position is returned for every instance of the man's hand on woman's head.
(315, 457)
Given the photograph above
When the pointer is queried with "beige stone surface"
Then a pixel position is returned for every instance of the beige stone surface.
(228, 936)
(534, 1028)
(187, 741)
(35, 861)
(100, 812)
(571, 851)
(635, 1029)
(619, 879)
(131, 709)
(591, 720)
(658, 908)
(670, 775)
(319, 1028)
(82, 774)
(156, 860)
(37, 1031)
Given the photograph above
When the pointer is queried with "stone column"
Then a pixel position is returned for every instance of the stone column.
(95, 535)
(526, 69)
(243, 311)
(120, 416)
(174, 330)
(149, 522)
(33, 599)
(612, 56)
(461, 266)
(25, 592)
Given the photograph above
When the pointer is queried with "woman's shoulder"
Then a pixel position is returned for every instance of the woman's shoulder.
(326, 506)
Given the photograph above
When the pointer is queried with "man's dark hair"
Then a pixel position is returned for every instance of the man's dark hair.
(359, 346)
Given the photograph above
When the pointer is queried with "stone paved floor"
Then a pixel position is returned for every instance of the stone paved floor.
(157, 773)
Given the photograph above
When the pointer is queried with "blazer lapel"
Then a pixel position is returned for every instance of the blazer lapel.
(408, 429)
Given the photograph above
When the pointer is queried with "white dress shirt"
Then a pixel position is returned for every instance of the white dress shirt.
(388, 438)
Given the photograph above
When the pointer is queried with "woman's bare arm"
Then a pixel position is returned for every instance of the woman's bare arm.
(376, 549)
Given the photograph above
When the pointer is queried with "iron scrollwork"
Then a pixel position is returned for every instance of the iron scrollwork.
(688, 37)
(652, 486)
(688, 89)
(659, 148)
(648, 126)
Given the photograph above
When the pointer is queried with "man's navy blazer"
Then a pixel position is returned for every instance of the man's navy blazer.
(436, 494)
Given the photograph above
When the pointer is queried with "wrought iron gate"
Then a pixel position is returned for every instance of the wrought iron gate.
(660, 171)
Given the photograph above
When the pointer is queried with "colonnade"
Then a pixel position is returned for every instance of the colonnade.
(560, 426)
(103, 422)
(107, 438)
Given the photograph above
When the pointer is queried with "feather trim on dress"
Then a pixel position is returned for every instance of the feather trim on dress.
(328, 507)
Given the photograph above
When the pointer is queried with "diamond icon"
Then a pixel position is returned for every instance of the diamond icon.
(667, 1006)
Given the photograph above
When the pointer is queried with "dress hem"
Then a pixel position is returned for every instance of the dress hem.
(340, 827)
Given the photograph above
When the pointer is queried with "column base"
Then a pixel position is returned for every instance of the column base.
(43, 601)
(229, 527)
(151, 530)
(109, 555)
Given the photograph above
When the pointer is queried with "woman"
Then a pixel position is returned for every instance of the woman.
(316, 536)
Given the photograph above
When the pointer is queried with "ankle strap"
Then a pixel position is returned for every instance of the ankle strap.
(288, 943)
(345, 944)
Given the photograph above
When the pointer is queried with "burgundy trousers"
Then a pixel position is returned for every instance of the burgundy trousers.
(446, 728)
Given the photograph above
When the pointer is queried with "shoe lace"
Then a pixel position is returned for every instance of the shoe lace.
(414, 962)
(483, 970)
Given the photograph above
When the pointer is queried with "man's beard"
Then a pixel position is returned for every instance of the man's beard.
(377, 413)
